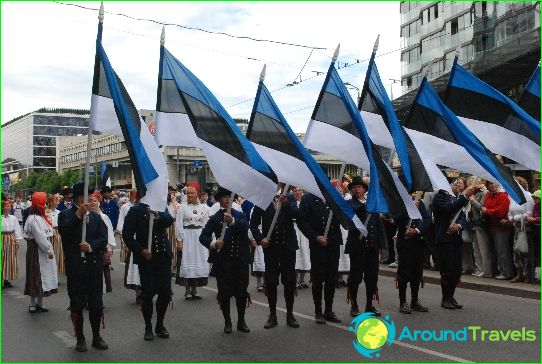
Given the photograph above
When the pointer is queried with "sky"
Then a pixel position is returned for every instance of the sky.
(48, 50)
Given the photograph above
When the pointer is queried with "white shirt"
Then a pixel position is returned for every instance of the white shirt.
(10, 223)
(18, 208)
(111, 243)
(122, 214)
(190, 214)
(38, 229)
(517, 212)
(53, 216)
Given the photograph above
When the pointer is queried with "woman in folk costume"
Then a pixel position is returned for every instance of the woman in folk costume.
(11, 236)
(131, 270)
(303, 254)
(41, 269)
(95, 199)
(132, 198)
(258, 261)
(173, 207)
(52, 213)
(190, 219)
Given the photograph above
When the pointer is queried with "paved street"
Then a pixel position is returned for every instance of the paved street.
(196, 328)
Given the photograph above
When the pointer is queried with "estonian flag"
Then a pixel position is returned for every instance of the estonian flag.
(503, 126)
(530, 100)
(336, 129)
(279, 146)
(106, 179)
(452, 144)
(420, 173)
(112, 111)
(189, 108)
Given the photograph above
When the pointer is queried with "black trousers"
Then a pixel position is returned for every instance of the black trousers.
(86, 287)
(363, 267)
(411, 262)
(280, 261)
(450, 261)
(155, 276)
(231, 278)
(324, 270)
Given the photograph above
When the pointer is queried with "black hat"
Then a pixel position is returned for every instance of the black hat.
(222, 192)
(357, 181)
(209, 191)
(180, 186)
(79, 189)
(105, 189)
(66, 190)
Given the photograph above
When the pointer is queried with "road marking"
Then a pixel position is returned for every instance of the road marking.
(345, 328)
(66, 338)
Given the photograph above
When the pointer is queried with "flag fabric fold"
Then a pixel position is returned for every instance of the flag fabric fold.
(499, 123)
(189, 107)
(337, 129)
(112, 111)
(530, 99)
(419, 172)
(431, 123)
(106, 178)
(276, 142)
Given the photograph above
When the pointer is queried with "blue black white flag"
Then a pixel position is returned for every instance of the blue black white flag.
(112, 111)
(105, 177)
(530, 99)
(431, 123)
(191, 109)
(276, 142)
(337, 129)
(499, 123)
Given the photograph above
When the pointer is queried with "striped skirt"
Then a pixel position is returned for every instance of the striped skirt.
(33, 286)
(10, 268)
(173, 240)
(59, 252)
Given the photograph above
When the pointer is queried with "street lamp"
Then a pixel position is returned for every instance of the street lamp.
(393, 81)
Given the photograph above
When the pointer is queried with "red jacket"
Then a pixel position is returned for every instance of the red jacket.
(497, 205)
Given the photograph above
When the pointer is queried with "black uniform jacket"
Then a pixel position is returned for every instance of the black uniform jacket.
(312, 220)
(445, 206)
(423, 224)
(375, 230)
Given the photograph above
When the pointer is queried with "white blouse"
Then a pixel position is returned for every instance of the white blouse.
(11, 223)
(190, 214)
(111, 243)
(53, 216)
(122, 214)
(38, 229)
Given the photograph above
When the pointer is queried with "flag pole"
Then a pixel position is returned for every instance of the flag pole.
(149, 236)
(89, 151)
(330, 216)
(228, 211)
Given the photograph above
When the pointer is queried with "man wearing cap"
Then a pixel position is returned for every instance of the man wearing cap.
(109, 206)
(324, 253)
(279, 253)
(363, 251)
(231, 258)
(84, 273)
(67, 199)
(154, 265)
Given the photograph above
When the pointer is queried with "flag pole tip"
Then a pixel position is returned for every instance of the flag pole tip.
(101, 13)
(163, 35)
(262, 75)
(336, 54)
(375, 47)
(458, 51)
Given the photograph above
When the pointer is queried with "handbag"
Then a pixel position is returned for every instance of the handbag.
(520, 242)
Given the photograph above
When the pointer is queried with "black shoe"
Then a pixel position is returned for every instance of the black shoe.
(7, 284)
(447, 304)
(81, 345)
(242, 326)
(188, 296)
(456, 304)
(418, 307)
(271, 322)
(99, 343)
(331, 317)
(354, 311)
(373, 310)
(41, 309)
(403, 308)
(149, 336)
(319, 318)
(291, 321)
(161, 332)
(228, 328)
(32, 309)
(196, 297)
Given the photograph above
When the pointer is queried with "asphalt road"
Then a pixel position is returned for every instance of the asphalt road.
(196, 328)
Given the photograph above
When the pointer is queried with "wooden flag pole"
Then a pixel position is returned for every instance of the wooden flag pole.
(151, 226)
(277, 211)
(228, 211)
(330, 216)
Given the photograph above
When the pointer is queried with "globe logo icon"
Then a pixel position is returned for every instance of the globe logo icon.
(372, 334)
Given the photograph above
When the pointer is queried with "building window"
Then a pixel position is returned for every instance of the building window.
(409, 81)
(454, 26)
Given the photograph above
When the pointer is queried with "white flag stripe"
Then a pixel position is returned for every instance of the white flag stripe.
(175, 130)
(289, 169)
(412, 210)
(377, 129)
(239, 177)
(103, 117)
(437, 178)
(505, 142)
(330, 140)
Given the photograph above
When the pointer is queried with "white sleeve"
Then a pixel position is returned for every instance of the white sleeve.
(110, 233)
(250, 236)
(179, 224)
(122, 215)
(39, 235)
(17, 229)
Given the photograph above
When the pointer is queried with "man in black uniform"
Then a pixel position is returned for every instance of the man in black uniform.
(84, 273)
(154, 265)
(363, 251)
(279, 254)
(448, 237)
(411, 248)
(325, 252)
(230, 257)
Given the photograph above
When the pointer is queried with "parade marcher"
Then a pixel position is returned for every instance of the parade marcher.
(364, 251)
(411, 248)
(111, 243)
(84, 273)
(67, 199)
(154, 265)
(131, 270)
(302, 255)
(18, 208)
(279, 253)
(41, 270)
(482, 249)
(52, 213)
(230, 257)
(324, 252)
(258, 260)
(448, 237)
(172, 207)
(11, 237)
(190, 219)
(109, 206)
